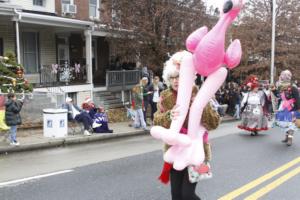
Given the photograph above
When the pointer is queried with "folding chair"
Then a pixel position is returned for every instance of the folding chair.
(73, 126)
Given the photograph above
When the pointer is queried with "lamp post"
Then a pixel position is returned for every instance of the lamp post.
(273, 40)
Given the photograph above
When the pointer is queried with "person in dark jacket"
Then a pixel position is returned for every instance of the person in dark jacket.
(13, 117)
(154, 89)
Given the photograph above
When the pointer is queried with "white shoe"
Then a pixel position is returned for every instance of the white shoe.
(14, 143)
(86, 132)
(96, 125)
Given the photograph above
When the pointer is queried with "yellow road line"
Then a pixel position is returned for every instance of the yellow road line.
(258, 181)
(273, 185)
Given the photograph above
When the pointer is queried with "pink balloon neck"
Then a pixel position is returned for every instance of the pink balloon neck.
(225, 21)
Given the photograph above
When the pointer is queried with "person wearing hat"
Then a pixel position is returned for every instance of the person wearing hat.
(289, 106)
(89, 106)
(98, 115)
(75, 113)
(253, 118)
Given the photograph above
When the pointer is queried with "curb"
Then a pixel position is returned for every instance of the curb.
(60, 142)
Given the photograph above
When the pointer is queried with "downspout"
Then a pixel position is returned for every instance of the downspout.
(19, 17)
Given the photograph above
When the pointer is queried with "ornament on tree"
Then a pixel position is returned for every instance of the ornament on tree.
(14, 82)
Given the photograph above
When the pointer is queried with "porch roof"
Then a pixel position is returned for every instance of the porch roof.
(52, 21)
(8, 9)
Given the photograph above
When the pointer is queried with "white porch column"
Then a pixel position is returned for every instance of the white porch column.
(88, 55)
(18, 41)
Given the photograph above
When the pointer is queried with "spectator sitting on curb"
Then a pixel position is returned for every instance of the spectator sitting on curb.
(75, 113)
(102, 119)
(89, 106)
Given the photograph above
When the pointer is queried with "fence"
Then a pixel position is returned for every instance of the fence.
(122, 78)
(34, 103)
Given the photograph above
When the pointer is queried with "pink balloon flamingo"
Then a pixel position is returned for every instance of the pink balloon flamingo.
(208, 58)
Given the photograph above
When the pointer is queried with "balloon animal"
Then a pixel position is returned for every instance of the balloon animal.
(207, 58)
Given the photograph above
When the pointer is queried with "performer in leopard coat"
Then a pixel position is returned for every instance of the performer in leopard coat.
(166, 111)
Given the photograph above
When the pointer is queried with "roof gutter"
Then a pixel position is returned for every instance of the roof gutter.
(52, 21)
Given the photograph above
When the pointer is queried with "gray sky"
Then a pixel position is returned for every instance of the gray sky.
(216, 3)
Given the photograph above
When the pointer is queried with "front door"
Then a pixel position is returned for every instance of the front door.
(63, 54)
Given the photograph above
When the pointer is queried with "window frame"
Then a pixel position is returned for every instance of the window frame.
(35, 3)
(71, 2)
(37, 54)
(96, 7)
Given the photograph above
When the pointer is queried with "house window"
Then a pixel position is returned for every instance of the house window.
(30, 52)
(38, 2)
(67, 2)
(1, 46)
(93, 8)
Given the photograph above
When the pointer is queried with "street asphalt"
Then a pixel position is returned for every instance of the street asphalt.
(238, 159)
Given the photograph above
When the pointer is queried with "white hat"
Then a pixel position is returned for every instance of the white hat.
(68, 99)
(87, 100)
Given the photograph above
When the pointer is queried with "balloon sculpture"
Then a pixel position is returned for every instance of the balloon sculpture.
(207, 58)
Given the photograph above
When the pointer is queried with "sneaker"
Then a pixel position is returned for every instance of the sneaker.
(87, 133)
(96, 125)
(146, 129)
(15, 143)
(110, 131)
(290, 140)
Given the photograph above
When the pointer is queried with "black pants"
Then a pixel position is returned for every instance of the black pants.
(146, 103)
(86, 119)
(153, 109)
(181, 187)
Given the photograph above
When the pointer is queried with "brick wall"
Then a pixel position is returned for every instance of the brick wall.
(82, 9)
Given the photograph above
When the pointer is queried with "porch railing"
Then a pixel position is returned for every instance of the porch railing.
(122, 79)
(59, 75)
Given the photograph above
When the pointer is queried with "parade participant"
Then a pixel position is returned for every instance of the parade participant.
(181, 185)
(289, 106)
(207, 58)
(253, 117)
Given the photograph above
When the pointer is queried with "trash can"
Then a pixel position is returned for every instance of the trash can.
(55, 122)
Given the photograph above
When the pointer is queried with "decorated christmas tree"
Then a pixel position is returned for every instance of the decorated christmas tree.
(12, 76)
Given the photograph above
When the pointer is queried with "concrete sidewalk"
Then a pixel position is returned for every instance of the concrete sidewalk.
(32, 139)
